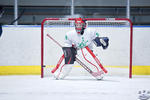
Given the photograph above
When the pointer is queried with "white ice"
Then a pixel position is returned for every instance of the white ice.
(30, 87)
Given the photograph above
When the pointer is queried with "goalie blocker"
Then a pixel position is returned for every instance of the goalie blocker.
(101, 41)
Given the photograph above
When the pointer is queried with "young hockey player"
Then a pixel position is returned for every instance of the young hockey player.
(75, 40)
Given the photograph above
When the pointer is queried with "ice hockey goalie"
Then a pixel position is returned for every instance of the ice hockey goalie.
(78, 39)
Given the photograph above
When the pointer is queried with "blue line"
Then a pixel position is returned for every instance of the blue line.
(142, 26)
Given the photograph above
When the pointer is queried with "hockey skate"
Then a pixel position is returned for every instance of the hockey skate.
(58, 76)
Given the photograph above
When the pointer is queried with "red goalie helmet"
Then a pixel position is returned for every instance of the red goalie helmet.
(80, 25)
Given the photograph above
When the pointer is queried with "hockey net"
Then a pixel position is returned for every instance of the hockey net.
(117, 58)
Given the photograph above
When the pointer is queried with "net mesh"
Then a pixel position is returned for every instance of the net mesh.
(116, 58)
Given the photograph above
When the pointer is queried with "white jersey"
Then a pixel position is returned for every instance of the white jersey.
(80, 41)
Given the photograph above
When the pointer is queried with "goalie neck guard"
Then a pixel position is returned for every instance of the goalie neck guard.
(80, 25)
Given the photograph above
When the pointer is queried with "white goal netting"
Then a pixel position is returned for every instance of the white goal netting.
(117, 58)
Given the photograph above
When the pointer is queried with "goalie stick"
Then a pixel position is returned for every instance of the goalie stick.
(95, 74)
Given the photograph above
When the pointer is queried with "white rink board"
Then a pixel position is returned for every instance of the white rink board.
(21, 45)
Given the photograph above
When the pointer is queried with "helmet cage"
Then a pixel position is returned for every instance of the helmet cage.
(80, 25)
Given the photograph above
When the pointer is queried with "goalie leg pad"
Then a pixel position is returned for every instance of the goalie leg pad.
(69, 53)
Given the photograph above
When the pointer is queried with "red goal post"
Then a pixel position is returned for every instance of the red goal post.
(105, 21)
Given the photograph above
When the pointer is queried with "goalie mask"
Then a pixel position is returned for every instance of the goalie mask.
(80, 25)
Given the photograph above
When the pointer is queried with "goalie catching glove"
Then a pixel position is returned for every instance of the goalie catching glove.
(101, 41)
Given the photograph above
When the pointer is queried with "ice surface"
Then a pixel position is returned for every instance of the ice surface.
(72, 88)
